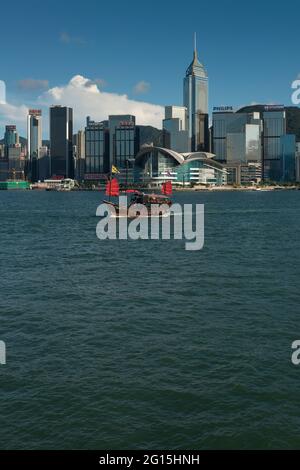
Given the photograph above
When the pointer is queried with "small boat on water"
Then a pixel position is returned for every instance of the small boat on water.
(66, 184)
(140, 204)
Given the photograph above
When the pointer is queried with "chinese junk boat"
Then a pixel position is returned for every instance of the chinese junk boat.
(157, 205)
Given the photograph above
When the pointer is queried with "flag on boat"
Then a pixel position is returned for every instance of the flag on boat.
(112, 188)
(114, 170)
(166, 188)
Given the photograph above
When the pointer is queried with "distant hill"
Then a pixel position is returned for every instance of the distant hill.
(149, 134)
(22, 140)
(292, 117)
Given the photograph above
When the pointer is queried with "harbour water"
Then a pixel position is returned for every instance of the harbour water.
(141, 344)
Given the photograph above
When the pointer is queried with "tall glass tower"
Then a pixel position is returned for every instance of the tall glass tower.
(61, 141)
(11, 137)
(34, 140)
(195, 99)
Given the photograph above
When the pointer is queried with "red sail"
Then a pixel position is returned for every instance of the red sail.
(112, 188)
(167, 188)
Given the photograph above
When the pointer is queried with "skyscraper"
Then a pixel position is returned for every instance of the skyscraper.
(195, 99)
(237, 136)
(61, 145)
(96, 149)
(34, 140)
(124, 139)
(274, 119)
(43, 164)
(13, 163)
(288, 158)
(79, 155)
(11, 136)
(175, 134)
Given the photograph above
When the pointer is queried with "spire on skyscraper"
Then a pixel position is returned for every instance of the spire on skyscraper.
(195, 46)
(196, 68)
(195, 99)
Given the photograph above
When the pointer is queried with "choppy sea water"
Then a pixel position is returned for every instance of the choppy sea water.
(141, 344)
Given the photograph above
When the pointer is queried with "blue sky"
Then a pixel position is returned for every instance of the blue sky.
(251, 50)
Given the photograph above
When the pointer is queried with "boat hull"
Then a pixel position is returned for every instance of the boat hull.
(138, 210)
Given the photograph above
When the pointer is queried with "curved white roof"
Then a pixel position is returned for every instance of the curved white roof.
(197, 155)
(179, 157)
(171, 153)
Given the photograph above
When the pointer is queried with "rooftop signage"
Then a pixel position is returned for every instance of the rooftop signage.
(35, 112)
(223, 109)
(274, 107)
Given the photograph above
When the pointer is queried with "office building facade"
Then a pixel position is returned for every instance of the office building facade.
(34, 142)
(13, 160)
(96, 150)
(288, 158)
(255, 137)
(43, 166)
(123, 140)
(79, 155)
(237, 137)
(274, 128)
(239, 173)
(16, 162)
(297, 162)
(124, 144)
(112, 142)
(237, 143)
(11, 136)
(61, 141)
(175, 132)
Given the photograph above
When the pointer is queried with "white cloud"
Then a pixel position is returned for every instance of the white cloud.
(10, 114)
(86, 99)
(84, 96)
(141, 87)
(100, 82)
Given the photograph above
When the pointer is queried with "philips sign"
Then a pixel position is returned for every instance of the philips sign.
(223, 109)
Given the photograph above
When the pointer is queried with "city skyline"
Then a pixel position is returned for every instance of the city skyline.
(139, 73)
